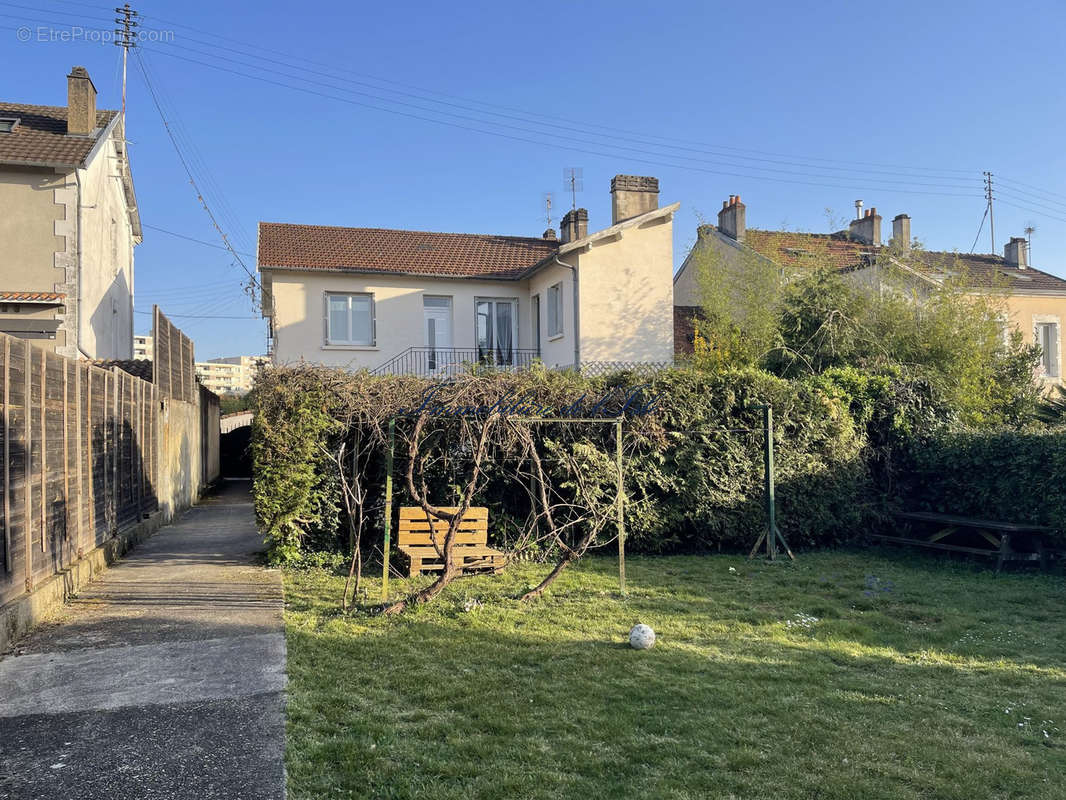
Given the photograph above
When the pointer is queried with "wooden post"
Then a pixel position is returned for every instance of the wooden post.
(114, 449)
(768, 464)
(66, 450)
(7, 455)
(621, 511)
(77, 455)
(27, 407)
(44, 454)
(388, 512)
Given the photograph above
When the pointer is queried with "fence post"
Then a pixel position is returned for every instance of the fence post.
(27, 407)
(388, 512)
(44, 453)
(621, 511)
(7, 455)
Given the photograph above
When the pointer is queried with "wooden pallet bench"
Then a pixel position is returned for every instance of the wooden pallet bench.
(418, 538)
(1006, 541)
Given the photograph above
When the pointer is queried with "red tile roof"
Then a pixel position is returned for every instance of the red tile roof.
(41, 136)
(323, 247)
(32, 297)
(836, 250)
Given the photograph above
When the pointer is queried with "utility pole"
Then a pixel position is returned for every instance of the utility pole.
(991, 217)
(124, 38)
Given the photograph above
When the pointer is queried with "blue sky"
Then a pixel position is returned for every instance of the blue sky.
(797, 107)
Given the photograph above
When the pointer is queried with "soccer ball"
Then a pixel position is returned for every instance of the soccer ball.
(641, 637)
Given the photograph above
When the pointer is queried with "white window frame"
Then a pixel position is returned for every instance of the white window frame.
(1056, 357)
(555, 307)
(328, 338)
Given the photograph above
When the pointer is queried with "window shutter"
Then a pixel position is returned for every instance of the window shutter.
(1053, 349)
(325, 318)
(373, 322)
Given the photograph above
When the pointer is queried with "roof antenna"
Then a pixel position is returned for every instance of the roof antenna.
(575, 183)
(548, 197)
(1030, 229)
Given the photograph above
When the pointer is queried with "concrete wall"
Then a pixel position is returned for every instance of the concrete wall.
(626, 296)
(189, 451)
(28, 213)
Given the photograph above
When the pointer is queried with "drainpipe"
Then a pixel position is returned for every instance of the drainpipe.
(77, 266)
(577, 315)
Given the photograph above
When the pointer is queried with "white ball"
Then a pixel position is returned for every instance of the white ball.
(641, 637)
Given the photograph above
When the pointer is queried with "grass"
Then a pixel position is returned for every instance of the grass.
(846, 675)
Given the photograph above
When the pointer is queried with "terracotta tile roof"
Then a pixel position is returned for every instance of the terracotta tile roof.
(322, 247)
(137, 367)
(32, 297)
(809, 250)
(41, 136)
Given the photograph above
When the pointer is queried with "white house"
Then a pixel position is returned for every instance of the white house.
(417, 302)
(68, 224)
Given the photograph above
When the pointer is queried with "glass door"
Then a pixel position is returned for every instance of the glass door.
(497, 331)
(437, 312)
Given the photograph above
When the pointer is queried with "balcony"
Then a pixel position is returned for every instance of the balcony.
(445, 361)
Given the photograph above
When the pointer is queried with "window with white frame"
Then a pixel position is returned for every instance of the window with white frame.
(350, 319)
(1047, 337)
(555, 310)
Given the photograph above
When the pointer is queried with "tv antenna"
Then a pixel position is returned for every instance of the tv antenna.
(1030, 229)
(572, 177)
(548, 198)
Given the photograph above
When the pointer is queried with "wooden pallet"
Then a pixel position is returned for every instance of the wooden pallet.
(421, 539)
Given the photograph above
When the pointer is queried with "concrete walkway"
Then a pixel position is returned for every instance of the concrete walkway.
(164, 679)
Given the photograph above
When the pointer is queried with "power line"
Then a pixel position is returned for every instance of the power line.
(193, 239)
(907, 180)
(612, 130)
(199, 316)
(253, 281)
(980, 228)
(548, 143)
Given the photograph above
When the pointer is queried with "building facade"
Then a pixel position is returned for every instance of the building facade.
(410, 301)
(69, 224)
(1034, 300)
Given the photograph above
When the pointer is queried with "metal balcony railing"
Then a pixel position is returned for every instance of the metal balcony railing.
(446, 361)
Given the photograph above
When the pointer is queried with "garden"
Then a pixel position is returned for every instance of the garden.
(852, 669)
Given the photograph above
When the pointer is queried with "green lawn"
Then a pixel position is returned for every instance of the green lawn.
(848, 675)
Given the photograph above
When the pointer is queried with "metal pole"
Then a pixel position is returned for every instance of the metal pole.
(768, 461)
(621, 511)
(388, 513)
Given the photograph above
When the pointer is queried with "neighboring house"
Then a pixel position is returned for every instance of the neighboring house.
(68, 223)
(415, 302)
(1035, 300)
(142, 346)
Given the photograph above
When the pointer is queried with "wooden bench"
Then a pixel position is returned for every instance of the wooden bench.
(1002, 537)
(418, 538)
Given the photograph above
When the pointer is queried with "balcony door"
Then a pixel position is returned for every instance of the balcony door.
(437, 312)
(497, 330)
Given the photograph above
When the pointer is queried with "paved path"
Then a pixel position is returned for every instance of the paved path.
(164, 679)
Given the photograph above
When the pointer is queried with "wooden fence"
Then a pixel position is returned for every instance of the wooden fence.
(81, 454)
(173, 359)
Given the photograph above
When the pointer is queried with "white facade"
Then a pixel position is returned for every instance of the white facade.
(624, 306)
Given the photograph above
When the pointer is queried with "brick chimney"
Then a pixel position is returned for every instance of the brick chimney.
(732, 219)
(549, 235)
(901, 232)
(633, 195)
(575, 225)
(867, 228)
(81, 102)
(1015, 252)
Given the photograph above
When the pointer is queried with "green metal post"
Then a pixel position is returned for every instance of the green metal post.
(621, 510)
(388, 513)
(768, 461)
